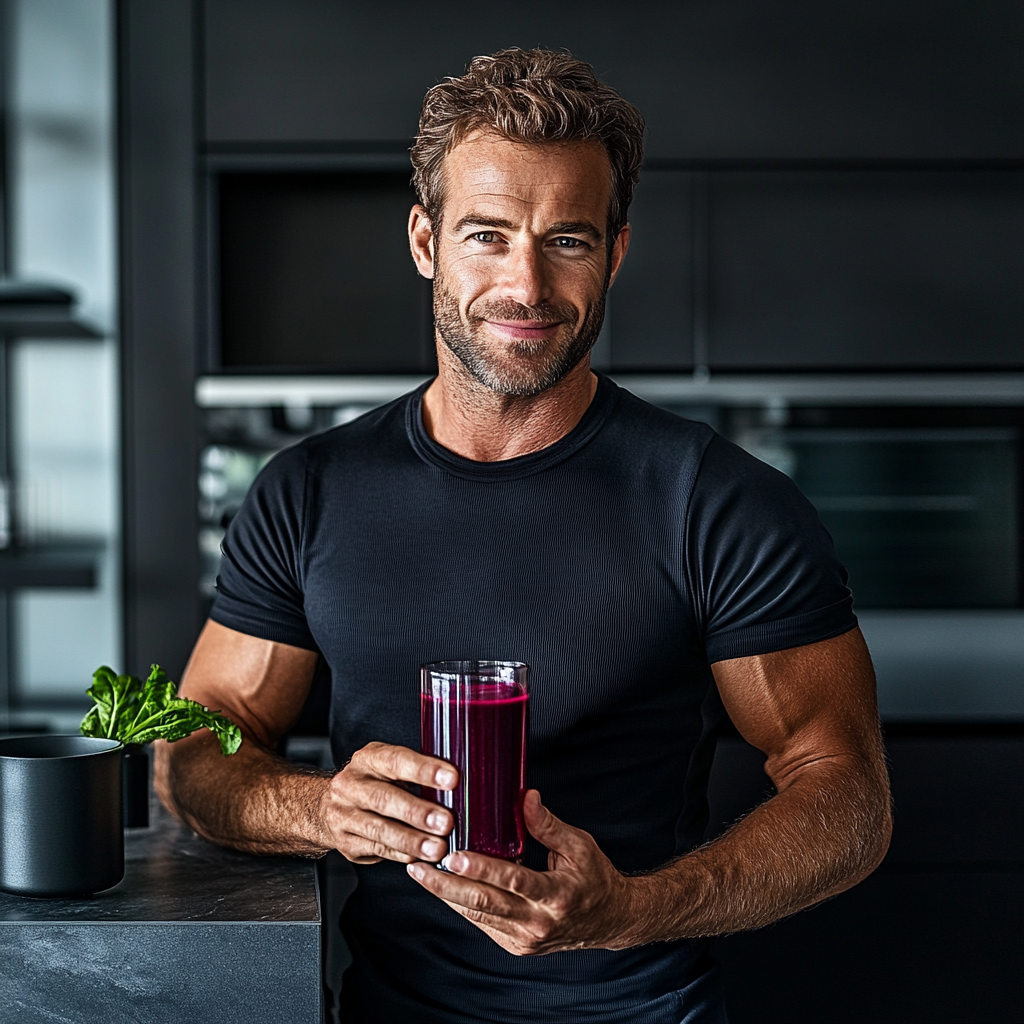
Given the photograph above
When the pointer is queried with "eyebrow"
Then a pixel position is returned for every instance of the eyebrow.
(576, 227)
(478, 220)
(568, 227)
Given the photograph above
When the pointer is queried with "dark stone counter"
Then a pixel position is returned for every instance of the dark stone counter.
(194, 932)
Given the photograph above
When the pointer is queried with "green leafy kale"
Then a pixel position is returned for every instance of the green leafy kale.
(133, 711)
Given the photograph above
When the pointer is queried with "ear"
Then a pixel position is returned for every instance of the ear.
(619, 249)
(421, 241)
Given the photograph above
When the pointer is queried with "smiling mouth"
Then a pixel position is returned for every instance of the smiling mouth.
(523, 328)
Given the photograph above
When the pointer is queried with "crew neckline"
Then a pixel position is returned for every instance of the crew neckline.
(601, 405)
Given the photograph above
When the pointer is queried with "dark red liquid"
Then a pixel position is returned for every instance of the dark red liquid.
(486, 740)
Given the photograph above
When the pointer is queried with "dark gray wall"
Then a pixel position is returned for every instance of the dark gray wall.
(158, 331)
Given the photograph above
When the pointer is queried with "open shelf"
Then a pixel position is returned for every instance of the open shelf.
(45, 323)
(60, 567)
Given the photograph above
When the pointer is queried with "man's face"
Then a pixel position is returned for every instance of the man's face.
(521, 263)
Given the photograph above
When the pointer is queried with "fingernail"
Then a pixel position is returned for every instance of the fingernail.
(416, 870)
(432, 848)
(437, 821)
(445, 778)
(458, 862)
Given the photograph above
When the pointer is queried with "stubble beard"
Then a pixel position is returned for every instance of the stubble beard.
(522, 367)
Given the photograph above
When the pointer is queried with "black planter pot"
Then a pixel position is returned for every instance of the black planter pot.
(61, 817)
(136, 785)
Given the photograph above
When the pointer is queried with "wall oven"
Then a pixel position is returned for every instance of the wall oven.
(922, 503)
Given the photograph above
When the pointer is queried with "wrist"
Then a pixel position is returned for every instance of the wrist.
(664, 905)
(640, 912)
(314, 796)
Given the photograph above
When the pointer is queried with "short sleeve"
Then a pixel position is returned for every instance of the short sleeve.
(764, 571)
(260, 586)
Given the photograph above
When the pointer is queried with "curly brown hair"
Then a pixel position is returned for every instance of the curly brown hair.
(531, 96)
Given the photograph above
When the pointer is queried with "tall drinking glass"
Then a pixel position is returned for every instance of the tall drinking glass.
(473, 714)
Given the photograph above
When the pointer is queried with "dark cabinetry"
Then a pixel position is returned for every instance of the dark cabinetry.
(930, 946)
(651, 303)
(737, 79)
(158, 320)
(934, 935)
(827, 269)
(757, 268)
(867, 270)
(734, 270)
(748, 83)
(314, 273)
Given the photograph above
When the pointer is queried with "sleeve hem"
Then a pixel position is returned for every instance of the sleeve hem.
(276, 632)
(794, 631)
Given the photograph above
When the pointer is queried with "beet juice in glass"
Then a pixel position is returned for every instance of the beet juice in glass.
(473, 714)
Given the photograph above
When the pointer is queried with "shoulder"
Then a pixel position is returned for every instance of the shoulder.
(729, 475)
(637, 414)
(650, 433)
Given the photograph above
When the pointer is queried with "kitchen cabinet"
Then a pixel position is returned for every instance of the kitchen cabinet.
(823, 268)
(314, 272)
(650, 306)
(936, 945)
(934, 934)
(865, 270)
(738, 79)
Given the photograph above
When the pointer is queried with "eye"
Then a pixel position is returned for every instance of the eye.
(567, 242)
(485, 237)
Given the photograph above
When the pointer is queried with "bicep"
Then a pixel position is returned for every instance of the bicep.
(260, 684)
(805, 704)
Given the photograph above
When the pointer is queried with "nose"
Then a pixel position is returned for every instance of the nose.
(526, 278)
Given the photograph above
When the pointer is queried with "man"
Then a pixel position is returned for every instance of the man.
(520, 507)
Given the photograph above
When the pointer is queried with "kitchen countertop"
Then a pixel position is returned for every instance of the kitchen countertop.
(193, 932)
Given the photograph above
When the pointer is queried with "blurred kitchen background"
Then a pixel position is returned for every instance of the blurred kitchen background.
(204, 260)
(60, 508)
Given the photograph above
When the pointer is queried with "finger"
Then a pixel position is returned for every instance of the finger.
(555, 834)
(388, 761)
(360, 850)
(390, 801)
(502, 874)
(393, 835)
(482, 901)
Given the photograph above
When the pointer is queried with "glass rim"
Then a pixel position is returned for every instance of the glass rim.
(467, 666)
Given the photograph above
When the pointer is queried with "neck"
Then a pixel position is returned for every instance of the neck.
(476, 423)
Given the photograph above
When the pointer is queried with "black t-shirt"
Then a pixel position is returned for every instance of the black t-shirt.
(619, 563)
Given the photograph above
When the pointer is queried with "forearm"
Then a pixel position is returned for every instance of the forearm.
(252, 800)
(824, 833)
